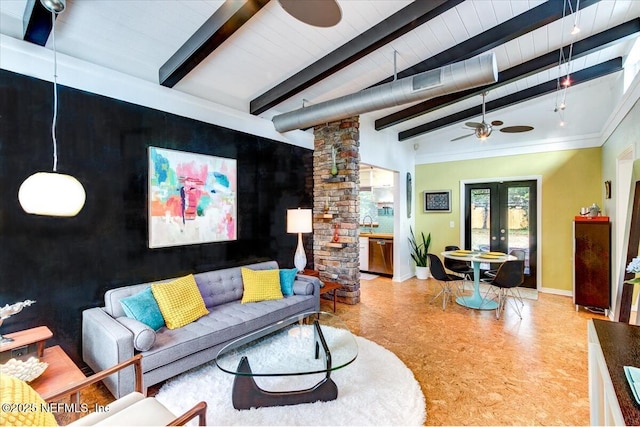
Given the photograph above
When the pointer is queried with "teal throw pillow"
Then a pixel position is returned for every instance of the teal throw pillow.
(287, 277)
(144, 308)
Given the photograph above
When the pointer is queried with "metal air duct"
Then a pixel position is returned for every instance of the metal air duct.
(478, 71)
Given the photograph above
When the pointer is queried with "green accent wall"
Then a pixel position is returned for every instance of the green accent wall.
(570, 179)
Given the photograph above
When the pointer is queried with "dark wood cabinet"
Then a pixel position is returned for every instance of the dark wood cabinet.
(592, 263)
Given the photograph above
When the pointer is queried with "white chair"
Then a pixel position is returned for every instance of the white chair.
(134, 409)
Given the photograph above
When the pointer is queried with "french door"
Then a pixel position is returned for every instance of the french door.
(502, 217)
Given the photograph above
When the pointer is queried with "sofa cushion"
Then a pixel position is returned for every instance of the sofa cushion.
(222, 286)
(226, 322)
(180, 301)
(260, 285)
(302, 288)
(113, 296)
(287, 277)
(22, 405)
(143, 307)
(143, 335)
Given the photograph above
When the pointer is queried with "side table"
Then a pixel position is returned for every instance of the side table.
(29, 342)
(61, 371)
(328, 286)
(60, 374)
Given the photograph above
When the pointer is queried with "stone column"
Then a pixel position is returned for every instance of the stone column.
(336, 205)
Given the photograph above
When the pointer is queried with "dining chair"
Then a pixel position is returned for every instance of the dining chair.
(519, 254)
(509, 276)
(444, 279)
(460, 267)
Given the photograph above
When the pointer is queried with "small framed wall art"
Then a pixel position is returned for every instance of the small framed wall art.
(437, 200)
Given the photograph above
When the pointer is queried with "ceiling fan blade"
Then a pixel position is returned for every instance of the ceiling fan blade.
(516, 129)
(473, 125)
(462, 137)
(497, 123)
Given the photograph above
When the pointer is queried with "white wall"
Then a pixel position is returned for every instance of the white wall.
(622, 136)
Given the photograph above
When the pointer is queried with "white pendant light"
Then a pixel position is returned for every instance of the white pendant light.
(52, 193)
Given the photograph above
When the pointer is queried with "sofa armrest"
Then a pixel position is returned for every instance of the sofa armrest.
(306, 285)
(143, 336)
(106, 343)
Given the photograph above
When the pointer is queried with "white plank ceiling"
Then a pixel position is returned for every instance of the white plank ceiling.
(137, 37)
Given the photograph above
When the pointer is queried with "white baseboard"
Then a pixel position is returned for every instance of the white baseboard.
(556, 292)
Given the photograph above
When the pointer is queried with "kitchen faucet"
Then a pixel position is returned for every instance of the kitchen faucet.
(364, 222)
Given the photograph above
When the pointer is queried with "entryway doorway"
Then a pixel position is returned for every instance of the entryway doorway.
(502, 216)
(378, 216)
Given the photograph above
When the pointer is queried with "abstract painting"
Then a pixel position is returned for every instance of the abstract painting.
(192, 198)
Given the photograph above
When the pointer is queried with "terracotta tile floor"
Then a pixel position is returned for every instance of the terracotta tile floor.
(474, 369)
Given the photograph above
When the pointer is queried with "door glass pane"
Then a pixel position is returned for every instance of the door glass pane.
(518, 223)
(480, 218)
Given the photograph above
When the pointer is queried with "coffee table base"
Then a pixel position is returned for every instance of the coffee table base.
(246, 393)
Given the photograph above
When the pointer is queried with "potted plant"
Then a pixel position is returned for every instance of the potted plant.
(419, 251)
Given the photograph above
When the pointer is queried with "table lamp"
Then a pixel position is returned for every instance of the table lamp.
(299, 221)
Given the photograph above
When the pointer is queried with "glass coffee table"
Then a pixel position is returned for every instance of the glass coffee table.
(305, 344)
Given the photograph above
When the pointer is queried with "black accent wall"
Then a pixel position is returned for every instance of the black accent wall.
(66, 264)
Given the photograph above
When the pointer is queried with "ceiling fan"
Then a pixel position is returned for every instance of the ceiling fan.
(483, 130)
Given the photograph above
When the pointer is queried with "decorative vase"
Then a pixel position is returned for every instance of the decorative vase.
(334, 167)
(336, 235)
(422, 273)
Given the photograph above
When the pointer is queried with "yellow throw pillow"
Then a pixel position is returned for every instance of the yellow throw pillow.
(180, 301)
(21, 405)
(260, 285)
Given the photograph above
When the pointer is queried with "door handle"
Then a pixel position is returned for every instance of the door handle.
(502, 238)
(493, 237)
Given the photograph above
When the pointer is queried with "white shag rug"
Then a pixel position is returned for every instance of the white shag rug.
(376, 389)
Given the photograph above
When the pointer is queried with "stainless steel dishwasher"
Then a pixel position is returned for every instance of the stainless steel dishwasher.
(381, 255)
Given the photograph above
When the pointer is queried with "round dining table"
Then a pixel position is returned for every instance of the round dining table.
(477, 258)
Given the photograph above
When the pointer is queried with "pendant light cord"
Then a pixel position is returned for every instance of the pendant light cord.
(55, 92)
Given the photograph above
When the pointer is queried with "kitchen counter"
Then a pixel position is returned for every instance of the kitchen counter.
(377, 235)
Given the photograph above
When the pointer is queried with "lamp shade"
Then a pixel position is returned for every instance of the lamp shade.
(299, 221)
(52, 194)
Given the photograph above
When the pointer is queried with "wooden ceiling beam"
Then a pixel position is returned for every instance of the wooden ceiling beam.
(36, 22)
(229, 17)
(581, 48)
(534, 18)
(398, 24)
(582, 76)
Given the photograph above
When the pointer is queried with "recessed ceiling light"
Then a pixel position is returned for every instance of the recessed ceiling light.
(319, 13)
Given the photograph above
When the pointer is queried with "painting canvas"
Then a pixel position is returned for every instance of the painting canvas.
(192, 198)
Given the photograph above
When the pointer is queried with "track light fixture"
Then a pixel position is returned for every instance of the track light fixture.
(564, 63)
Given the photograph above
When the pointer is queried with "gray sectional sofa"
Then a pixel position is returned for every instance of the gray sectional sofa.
(108, 335)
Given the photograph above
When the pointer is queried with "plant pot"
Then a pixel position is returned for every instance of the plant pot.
(422, 273)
